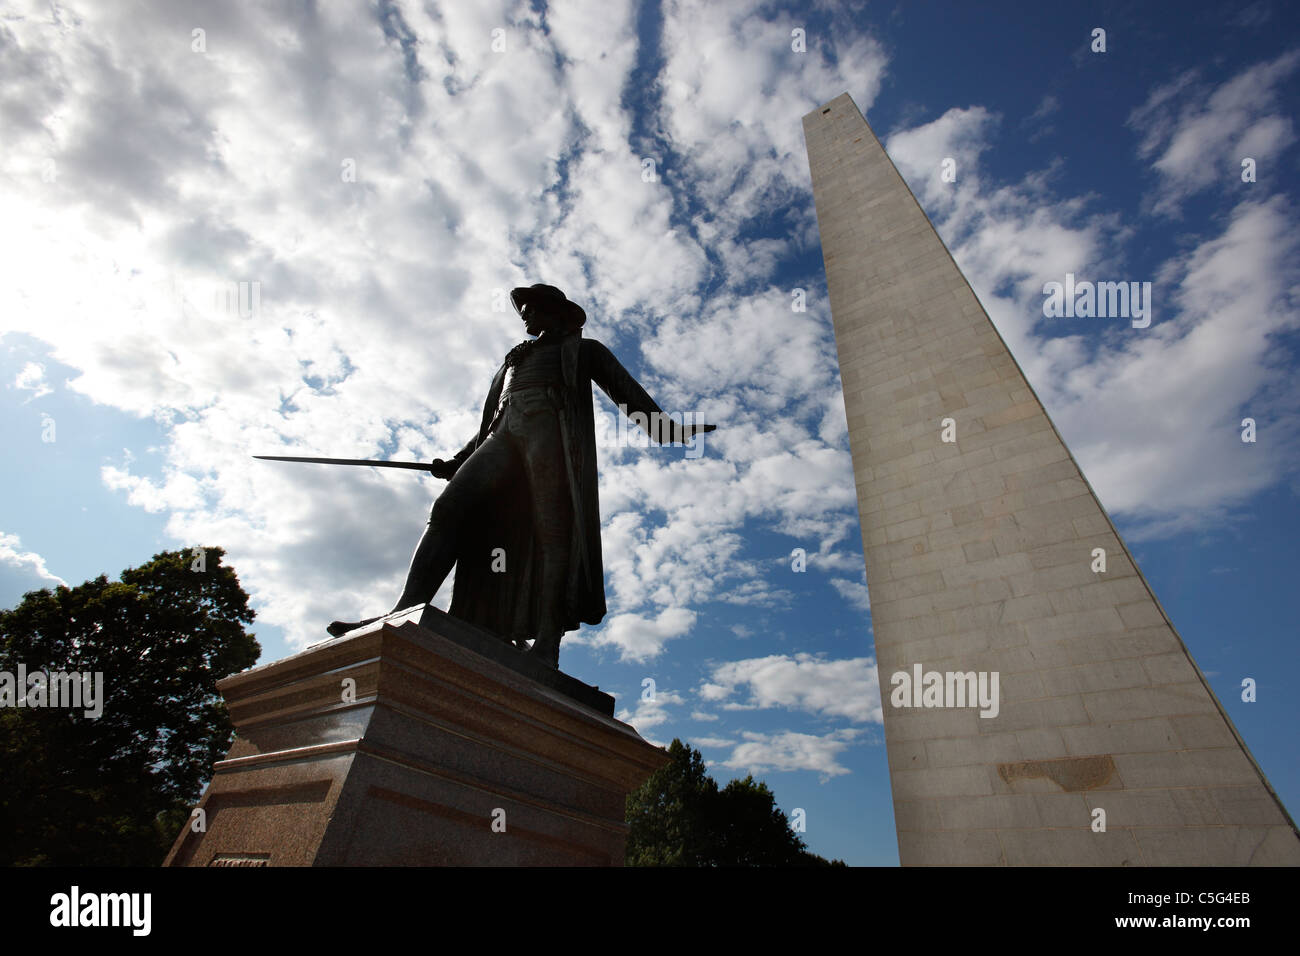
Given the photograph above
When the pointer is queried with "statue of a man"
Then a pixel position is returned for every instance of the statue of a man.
(519, 517)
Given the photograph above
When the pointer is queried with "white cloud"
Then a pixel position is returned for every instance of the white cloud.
(1048, 105)
(711, 691)
(855, 592)
(761, 753)
(1199, 135)
(179, 492)
(959, 134)
(24, 570)
(731, 86)
(829, 688)
(639, 639)
(652, 712)
(32, 379)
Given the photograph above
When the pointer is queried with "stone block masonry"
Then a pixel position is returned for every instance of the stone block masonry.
(980, 558)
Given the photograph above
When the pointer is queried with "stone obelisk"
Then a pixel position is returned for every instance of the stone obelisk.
(984, 548)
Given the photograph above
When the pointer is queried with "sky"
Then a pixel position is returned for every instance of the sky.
(371, 178)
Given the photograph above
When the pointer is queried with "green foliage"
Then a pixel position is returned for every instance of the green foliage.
(75, 790)
(681, 818)
(668, 816)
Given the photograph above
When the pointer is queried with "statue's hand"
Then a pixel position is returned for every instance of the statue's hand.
(440, 468)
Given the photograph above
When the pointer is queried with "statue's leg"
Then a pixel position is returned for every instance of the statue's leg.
(485, 474)
(543, 453)
(482, 477)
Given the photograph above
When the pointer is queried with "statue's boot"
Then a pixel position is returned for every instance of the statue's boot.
(547, 650)
(433, 559)
(339, 628)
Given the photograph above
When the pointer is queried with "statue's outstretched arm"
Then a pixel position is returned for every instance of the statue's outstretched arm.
(626, 392)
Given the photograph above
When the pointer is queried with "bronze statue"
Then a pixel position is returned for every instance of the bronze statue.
(519, 518)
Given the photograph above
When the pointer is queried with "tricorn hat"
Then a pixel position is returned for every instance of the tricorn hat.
(552, 300)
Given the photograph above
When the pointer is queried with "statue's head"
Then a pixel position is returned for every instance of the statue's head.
(544, 307)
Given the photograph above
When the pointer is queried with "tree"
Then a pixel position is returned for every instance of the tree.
(669, 815)
(681, 818)
(116, 789)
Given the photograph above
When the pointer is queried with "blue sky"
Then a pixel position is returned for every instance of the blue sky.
(143, 168)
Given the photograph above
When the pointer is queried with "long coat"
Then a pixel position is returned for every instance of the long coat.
(507, 602)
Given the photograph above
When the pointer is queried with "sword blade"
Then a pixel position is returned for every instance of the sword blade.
(376, 463)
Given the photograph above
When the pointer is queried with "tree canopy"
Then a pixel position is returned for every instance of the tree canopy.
(116, 789)
(680, 817)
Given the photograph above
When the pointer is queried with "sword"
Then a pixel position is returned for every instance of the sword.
(377, 463)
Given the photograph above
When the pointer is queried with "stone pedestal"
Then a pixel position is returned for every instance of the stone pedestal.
(417, 744)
